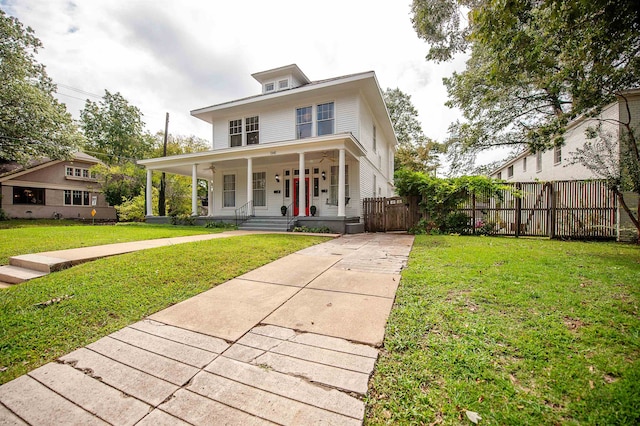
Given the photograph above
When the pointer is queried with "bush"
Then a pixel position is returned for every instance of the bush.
(213, 224)
(318, 230)
(456, 223)
(183, 219)
(485, 228)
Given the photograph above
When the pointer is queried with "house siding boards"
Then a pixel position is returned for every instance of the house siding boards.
(51, 177)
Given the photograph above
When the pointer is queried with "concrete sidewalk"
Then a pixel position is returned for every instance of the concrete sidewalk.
(292, 342)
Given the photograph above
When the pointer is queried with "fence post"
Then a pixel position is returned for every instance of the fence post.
(552, 210)
(473, 212)
(518, 210)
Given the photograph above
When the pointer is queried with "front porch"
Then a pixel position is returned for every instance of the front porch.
(316, 181)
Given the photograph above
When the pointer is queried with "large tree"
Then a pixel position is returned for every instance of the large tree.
(114, 130)
(415, 151)
(533, 67)
(33, 123)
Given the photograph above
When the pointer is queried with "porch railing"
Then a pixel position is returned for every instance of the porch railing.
(244, 213)
(290, 215)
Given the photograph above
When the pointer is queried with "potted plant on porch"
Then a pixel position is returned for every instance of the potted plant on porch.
(313, 210)
(283, 210)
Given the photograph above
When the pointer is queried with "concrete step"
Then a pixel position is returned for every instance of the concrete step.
(40, 263)
(5, 285)
(265, 223)
(16, 275)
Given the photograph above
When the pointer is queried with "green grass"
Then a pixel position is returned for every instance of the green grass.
(521, 331)
(36, 236)
(114, 292)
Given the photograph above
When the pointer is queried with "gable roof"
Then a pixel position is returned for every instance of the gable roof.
(13, 169)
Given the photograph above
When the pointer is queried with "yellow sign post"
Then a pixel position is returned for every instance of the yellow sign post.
(93, 216)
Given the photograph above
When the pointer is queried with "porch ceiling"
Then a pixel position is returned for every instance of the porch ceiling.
(318, 151)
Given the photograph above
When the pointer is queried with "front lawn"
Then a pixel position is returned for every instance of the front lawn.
(94, 299)
(24, 237)
(520, 331)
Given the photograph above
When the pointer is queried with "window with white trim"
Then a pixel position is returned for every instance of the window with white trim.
(235, 132)
(375, 144)
(539, 161)
(325, 117)
(333, 188)
(303, 122)
(269, 87)
(260, 189)
(283, 84)
(228, 190)
(76, 198)
(68, 171)
(557, 155)
(510, 171)
(252, 127)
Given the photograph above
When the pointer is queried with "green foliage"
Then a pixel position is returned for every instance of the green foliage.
(415, 151)
(120, 182)
(184, 219)
(442, 196)
(114, 130)
(215, 224)
(134, 208)
(316, 230)
(33, 124)
(534, 66)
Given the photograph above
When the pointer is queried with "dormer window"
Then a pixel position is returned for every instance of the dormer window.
(283, 84)
(269, 87)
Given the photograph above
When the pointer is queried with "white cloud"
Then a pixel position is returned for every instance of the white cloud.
(165, 55)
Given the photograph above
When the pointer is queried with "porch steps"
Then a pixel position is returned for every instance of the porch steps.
(266, 223)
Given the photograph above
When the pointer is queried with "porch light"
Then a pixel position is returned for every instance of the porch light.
(324, 176)
(277, 178)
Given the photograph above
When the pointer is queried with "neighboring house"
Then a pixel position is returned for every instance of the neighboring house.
(556, 164)
(53, 189)
(300, 143)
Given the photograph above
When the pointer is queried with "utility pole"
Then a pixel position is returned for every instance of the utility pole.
(161, 197)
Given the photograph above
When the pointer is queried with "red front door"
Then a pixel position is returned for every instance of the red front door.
(296, 195)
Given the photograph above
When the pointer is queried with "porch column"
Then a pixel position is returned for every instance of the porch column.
(302, 195)
(149, 193)
(249, 180)
(194, 190)
(210, 191)
(341, 183)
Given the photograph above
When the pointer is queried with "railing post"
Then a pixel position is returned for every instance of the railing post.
(473, 212)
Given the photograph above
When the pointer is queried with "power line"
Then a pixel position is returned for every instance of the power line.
(74, 97)
(75, 89)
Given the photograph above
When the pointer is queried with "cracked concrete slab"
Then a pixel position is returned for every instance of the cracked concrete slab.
(370, 283)
(227, 311)
(355, 317)
(287, 270)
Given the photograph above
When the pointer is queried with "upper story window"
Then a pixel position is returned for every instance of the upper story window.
(303, 122)
(269, 87)
(235, 133)
(283, 84)
(325, 119)
(510, 171)
(252, 128)
(77, 172)
(375, 143)
(539, 161)
(557, 155)
(524, 164)
(499, 175)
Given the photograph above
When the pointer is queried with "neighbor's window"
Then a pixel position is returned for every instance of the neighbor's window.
(333, 188)
(510, 171)
(68, 171)
(260, 189)
(539, 161)
(524, 164)
(76, 198)
(303, 122)
(375, 144)
(23, 195)
(499, 175)
(557, 155)
(235, 133)
(229, 191)
(325, 119)
(253, 130)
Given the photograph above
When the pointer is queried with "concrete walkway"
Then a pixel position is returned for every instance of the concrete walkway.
(292, 342)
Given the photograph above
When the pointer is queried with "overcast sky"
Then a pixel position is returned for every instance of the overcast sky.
(178, 55)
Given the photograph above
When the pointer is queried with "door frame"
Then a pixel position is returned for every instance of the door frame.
(296, 194)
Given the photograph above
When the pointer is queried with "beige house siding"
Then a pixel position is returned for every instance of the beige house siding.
(51, 177)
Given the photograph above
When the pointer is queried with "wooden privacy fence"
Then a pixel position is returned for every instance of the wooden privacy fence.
(562, 209)
(390, 214)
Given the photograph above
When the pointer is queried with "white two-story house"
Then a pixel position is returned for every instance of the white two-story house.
(316, 148)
